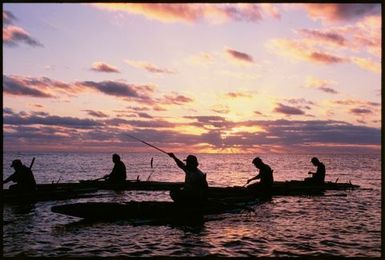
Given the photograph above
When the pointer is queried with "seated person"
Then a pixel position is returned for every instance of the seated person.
(265, 175)
(195, 187)
(23, 176)
(318, 176)
(118, 174)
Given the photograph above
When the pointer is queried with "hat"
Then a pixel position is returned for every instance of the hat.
(16, 162)
(191, 158)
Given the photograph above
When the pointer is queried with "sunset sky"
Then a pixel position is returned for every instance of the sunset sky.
(221, 78)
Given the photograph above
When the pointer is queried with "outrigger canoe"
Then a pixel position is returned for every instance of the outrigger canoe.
(11, 196)
(159, 210)
(221, 199)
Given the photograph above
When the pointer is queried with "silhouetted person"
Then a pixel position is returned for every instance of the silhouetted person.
(265, 175)
(23, 176)
(195, 187)
(118, 174)
(318, 176)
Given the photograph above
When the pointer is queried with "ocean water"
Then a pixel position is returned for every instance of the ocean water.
(340, 223)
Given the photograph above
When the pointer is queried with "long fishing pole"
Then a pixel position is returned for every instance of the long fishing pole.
(153, 146)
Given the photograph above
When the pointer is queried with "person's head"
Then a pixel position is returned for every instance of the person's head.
(315, 161)
(257, 162)
(191, 161)
(16, 164)
(115, 158)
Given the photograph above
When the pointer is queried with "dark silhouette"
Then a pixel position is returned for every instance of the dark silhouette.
(265, 175)
(318, 176)
(118, 174)
(23, 176)
(195, 184)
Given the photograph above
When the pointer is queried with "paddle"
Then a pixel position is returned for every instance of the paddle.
(153, 146)
(33, 160)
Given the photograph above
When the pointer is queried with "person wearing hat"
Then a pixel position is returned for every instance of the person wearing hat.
(265, 175)
(118, 174)
(195, 187)
(318, 176)
(23, 176)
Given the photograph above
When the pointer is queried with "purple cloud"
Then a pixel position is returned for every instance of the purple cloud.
(288, 110)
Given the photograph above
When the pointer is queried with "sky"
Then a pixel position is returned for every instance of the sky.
(197, 78)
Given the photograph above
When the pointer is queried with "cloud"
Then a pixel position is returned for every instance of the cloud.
(323, 85)
(238, 94)
(120, 89)
(8, 18)
(104, 67)
(288, 110)
(342, 12)
(239, 56)
(15, 35)
(304, 51)
(367, 64)
(18, 87)
(319, 35)
(360, 111)
(96, 113)
(174, 99)
(221, 109)
(192, 13)
(71, 122)
(149, 67)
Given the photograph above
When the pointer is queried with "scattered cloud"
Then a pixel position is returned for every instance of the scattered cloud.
(174, 99)
(324, 36)
(96, 113)
(238, 56)
(323, 85)
(288, 110)
(342, 11)
(149, 67)
(15, 35)
(104, 67)
(304, 51)
(360, 111)
(238, 94)
(193, 13)
(120, 89)
(221, 109)
(18, 87)
(367, 64)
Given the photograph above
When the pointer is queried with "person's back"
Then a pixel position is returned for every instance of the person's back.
(319, 176)
(118, 174)
(266, 176)
(195, 182)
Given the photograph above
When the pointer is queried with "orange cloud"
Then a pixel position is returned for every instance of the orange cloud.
(367, 64)
(149, 67)
(104, 67)
(189, 13)
(303, 50)
(341, 12)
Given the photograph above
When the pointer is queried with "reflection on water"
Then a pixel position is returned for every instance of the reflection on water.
(340, 223)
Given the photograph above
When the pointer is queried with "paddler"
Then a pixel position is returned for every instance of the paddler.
(195, 187)
(118, 174)
(23, 176)
(318, 176)
(265, 175)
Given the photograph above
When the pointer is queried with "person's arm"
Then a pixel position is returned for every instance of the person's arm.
(178, 162)
(8, 179)
(254, 178)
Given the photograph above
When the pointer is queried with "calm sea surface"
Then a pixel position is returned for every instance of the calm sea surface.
(333, 224)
